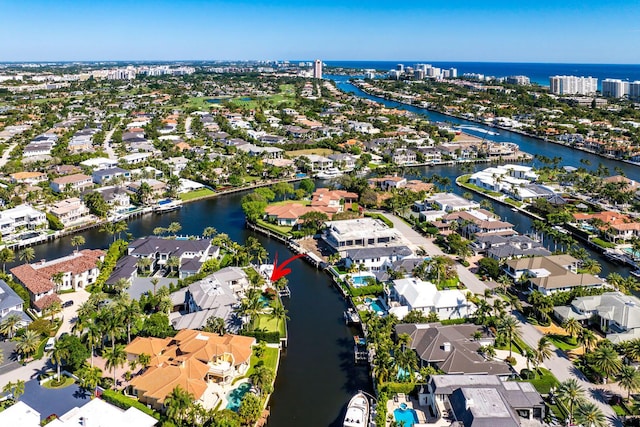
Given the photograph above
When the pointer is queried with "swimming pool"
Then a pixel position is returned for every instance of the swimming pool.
(375, 305)
(406, 417)
(234, 397)
(361, 280)
(631, 252)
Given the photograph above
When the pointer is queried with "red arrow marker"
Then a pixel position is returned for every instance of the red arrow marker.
(279, 270)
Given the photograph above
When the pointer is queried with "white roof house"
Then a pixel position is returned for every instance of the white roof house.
(360, 233)
(450, 202)
(423, 296)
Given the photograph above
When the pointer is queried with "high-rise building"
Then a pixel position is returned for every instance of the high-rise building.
(518, 80)
(615, 88)
(400, 67)
(453, 73)
(634, 90)
(317, 69)
(572, 85)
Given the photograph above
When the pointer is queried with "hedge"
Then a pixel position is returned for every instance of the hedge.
(394, 387)
(381, 217)
(454, 321)
(366, 290)
(54, 222)
(125, 402)
(270, 337)
(115, 251)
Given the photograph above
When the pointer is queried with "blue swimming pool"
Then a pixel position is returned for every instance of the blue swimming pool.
(406, 417)
(235, 396)
(375, 305)
(361, 280)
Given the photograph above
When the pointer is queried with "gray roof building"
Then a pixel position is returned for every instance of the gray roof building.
(11, 303)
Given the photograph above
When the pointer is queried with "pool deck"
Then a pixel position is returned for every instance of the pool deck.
(218, 391)
(421, 411)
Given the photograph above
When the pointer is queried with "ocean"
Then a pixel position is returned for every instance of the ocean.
(537, 72)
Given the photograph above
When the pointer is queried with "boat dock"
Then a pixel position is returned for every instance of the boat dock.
(351, 317)
(285, 292)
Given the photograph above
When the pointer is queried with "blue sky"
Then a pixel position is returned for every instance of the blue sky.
(544, 31)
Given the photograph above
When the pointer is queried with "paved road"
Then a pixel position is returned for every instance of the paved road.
(5, 156)
(417, 240)
(560, 365)
(187, 127)
(107, 146)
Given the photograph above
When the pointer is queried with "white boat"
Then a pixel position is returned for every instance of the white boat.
(635, 273)
(329, 173)
(167, 206)
(357, 411)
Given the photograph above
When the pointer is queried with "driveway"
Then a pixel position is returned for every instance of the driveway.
(10, 362)
(69, 313)
(49, 401)
(415, 238)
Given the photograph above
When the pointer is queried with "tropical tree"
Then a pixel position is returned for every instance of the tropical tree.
(591, 266)
(115, 357)
(262, 377)
(58, 279)
(607, 360)
(120, 227)
(629, 379)
(280, 313)
(174, 228)
(92, 336)
(173, 263)
(154, 282)
(509, 327)
(27, 343)
(587, 339)
(7, 255)
(588, 414)
(543, 350)
(27, 255)
(14, 389)
(209, 232)
(77, 241)
(58, 354)
(215, 325)
(571, 393)
(129, 313)
(143, 264)
(10, 325)
(144, 359)
(109, 228)
(572, 326)
(89, 377)
(53, 309)
(177, 403)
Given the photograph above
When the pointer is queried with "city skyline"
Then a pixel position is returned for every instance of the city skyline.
(585, 32)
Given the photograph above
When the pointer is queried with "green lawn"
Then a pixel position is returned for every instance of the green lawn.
(199, 103)
(563, 342)
(65, 382)
(203, 192)
(276, 228)
(544, 381)
(270, 324)
(602, 243)
(287, 202)
(268, 359)
(318, 151)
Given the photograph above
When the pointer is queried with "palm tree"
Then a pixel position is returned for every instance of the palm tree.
(110, 323)
(129, 313)
(27, 255)
(6, 256)
(280, 314)
(58, 354)
(92, 336)
(15, 389)
(591, 266)
(209, 232)
(159, 231)
(27, 343)
(144, 359)
(509, 327)
(154, 282)
(77, 241)
(629, 379)
(262, 378)
(58, 279)
(115, 357)
(174, 227)
(89, 377)
(177, 403)
(143, 264)
(587, 339)
(543, 351)
(119, 227)
(588, 414)
(10, 325)
(570, 392)
(109, 228)
(215, 325)
(607, 360)
(53, 309)
(572, 326)
(173, 263)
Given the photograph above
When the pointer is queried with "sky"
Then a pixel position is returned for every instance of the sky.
(569, 31)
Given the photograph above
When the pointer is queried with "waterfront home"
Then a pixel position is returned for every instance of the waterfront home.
(614, 226)
(452, 348)
(318, 163)
(359, 233)
(483, 400)
(71, 212)
(509, 179)
(79, 269)
(479, 222)
(447, 202)
(76, 182)
(616, 314)
(116, 197)
(375, 258)
(11, 304)
(415, 294)
(22, 217)
(217, 295)
(191, 253)
(403, 156)
(343, 161)
(266, 152)
(96, 412)
(549, 274)
(333, 200)
(190, 360)
(158, 188)
(177, 164)
(387, 183)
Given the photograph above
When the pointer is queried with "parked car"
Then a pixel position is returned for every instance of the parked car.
(67, 304)
(51, 343)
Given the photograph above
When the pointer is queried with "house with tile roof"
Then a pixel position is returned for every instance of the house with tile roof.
(71, 212)
(614, 226)
(452, 349)
(191, 360)
(549, 274)
(28, 177)
(75, 182)
(80, 270)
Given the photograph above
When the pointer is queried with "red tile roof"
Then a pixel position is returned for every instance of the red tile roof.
(46, 301)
